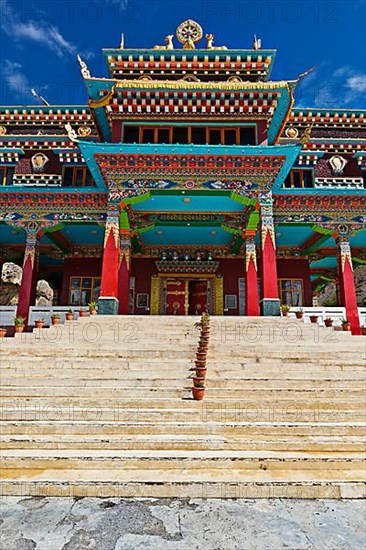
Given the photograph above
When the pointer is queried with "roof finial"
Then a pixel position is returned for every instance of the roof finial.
(122, 45)
(84, 69)
(303, 75)
(41, 99)
(257, 44)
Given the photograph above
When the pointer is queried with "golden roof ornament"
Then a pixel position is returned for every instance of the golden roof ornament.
(210, 46)
(84, 69)
(306, 136)
(72, 135)
(188, 33)
(168, 44)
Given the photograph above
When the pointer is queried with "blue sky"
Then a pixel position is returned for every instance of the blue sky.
(40, 40)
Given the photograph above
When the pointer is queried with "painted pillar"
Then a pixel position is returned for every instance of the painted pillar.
(124, 272)
(251, 294)
(108, 299)
(347, 289)
(27, 292)
(269, 303)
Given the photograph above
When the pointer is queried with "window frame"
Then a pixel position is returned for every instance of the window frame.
(292, 291)
(82, 287)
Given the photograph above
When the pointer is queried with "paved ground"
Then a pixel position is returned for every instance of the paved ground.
(169, 524)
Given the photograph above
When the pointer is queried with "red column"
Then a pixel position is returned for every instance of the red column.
(270, 304)
(251, 294)
(29, 278)
(124, 273)
(108, 302)
(347, 289)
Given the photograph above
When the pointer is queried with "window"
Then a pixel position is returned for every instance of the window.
(131, 134)
(142, 300)
(6, 175)
(291, 292)
(299, 179)
(199, 135)
(231, 301)
(247, 135)
(132, 296)
(180, 134)
(77, 176)
(83, 290)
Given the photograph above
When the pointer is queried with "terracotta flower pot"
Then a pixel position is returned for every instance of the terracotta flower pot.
(328, 323)
(55, 320)
(69, 316)
(19, 328)
(313, 319)
(198, 393)
(285, 314)
(299, 314)
(197, 380)
(363, 331)
(345, 326)
(201, 372)
(3, 332)
(93, 311)
(201, 356)
(82, 313)
(200, 363)
(39, 324)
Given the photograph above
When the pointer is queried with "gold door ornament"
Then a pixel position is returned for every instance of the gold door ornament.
(154, 296)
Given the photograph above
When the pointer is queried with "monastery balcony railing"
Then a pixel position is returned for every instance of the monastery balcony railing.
(339, 183)
(37, 180)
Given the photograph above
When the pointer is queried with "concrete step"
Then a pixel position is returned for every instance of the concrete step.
(224, 429)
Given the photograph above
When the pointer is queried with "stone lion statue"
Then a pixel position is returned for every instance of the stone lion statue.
(11, 277)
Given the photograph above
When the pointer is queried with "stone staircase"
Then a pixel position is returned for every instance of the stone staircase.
(102, 407)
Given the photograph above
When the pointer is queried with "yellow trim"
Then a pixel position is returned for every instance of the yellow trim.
(219, 296)
(154, 296)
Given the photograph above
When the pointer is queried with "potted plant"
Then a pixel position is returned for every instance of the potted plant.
(82, 312)
(328, 322)
(299, 313)
(201, 372)
(345, 324)
(39, 323)
(55, 318)
(19, 324)
(201, 355)
(3, 332)
(69, 315)
(198, 391)
(363, 330)
(285, 309)
(314, 318)
(200, 363)
(93, 306)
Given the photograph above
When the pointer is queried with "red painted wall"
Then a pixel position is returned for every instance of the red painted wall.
(78, 267)
(297, 269)
(142, 269)
(232, 270)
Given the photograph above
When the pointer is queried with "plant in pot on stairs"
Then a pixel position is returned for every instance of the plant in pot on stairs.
(19, 324)
(39, 323)
(55, 319)
(299, 313)
(93, 306)
(69, 315)
(284, 310)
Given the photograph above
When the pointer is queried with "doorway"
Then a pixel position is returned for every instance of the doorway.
(198, 299)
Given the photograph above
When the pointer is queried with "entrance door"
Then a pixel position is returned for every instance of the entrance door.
(197, 297)
(176, 297)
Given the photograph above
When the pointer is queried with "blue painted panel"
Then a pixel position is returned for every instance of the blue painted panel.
(11, 235)
(198, 203)
(359, 239)
(328, 262)
(84, 234)
(292, 235)
(186, 235)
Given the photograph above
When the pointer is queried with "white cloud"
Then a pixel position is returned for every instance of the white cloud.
(15, 79)
(40, 32)
(357, 83)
